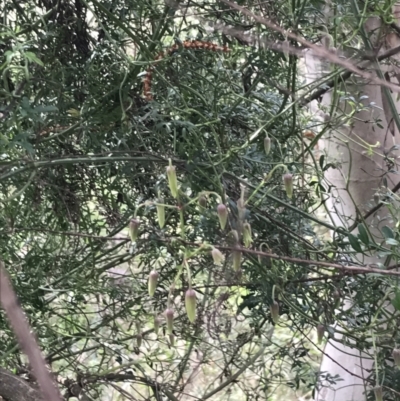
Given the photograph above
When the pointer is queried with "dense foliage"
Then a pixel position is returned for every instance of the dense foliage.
(83, 152)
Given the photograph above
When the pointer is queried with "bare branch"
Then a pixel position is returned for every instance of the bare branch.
(230, 379)
(25, 337)
(365, 269)
(318, 51)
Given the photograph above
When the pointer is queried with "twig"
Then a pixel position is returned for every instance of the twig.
(373, 210)
(230, 379)
(328, 265)
(68, 233)
(156, 387)
(25, 338)
(318, 51)
(344, 76)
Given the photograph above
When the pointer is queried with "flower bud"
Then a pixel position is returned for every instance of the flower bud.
(237, 260)
(172, 339)
(202, 201)
(234, 237)
(160, 212)
(134, 229)
(320, 333)
(172, 180)
(169, 316)
(267, 145)
(336, 295)
(378, 391)
(396, 356)
(190, 303)
(218, 256)
(153, 277)
(288, 181)
(157, 323)
(274, 308)
(247, 235)
(139, 339)
(222, 215)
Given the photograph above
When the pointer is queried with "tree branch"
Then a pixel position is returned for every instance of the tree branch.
(25, 338)
(318, 51)
(14, 388)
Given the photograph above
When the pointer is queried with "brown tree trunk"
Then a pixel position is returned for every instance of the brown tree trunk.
(14, 388)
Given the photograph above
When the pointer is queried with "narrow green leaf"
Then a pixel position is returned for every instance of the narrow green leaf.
(45, 109)
(321, 162)
(396, 300)
(363, 234)
(354, 243)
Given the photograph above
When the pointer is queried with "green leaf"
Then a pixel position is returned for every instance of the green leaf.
(387, 232)
(354, 243)
(396, 300)
(330, 165)
(363, 234)
(9, 55)
(32, 57)
(392, 241)
(45, 109)
(321, 162)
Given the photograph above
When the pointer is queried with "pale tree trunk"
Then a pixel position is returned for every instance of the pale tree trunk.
(355, 187)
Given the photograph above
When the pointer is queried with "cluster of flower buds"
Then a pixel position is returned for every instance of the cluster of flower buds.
(218, 257)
